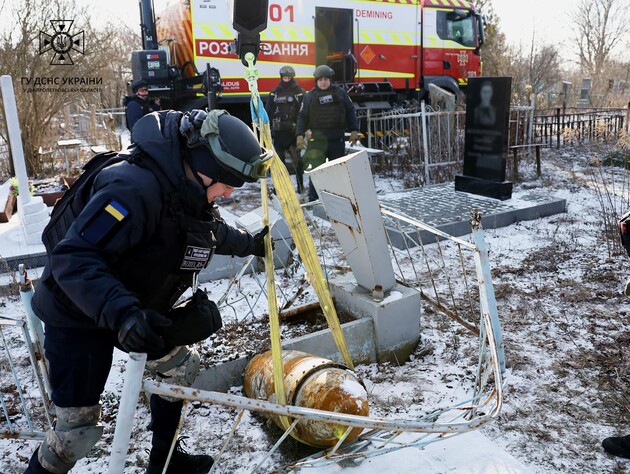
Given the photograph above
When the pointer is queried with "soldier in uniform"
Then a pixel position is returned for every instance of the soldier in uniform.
(120, 255)
(327, 112)
(283, 105)
(139, 104)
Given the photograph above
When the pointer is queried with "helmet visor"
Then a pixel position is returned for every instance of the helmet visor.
(255, 168)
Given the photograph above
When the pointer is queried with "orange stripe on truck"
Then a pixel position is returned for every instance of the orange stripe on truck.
(431, 3)
(175, 23)
(448, 3)
(402, 2)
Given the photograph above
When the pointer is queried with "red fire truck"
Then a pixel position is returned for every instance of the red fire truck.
(381, 50)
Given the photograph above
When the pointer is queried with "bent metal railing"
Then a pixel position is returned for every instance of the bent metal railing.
(453, 277)
(26, 401)
(483, 405)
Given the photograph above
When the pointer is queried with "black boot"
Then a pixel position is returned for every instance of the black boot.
(299, 174)
(34, 467)
(181, 461)
(617, 446)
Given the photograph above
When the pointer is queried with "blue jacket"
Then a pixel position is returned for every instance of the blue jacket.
(136, 108)
(125, 249)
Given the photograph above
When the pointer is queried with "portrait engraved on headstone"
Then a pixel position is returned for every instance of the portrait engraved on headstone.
(487, 122)
(485, 112)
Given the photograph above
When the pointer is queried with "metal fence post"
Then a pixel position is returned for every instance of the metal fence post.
(530, 131)
(127, 411)
(558, 130)
(368, 121)
(425, 144)
(487, 299)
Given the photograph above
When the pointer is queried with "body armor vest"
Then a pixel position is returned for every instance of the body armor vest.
(287, 104)
(192, 239)
(327, 110)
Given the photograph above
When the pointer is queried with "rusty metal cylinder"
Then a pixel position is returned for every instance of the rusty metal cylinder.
(310, 382)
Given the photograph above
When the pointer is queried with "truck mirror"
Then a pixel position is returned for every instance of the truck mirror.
(249, 20)
(481, 35)
(456, 15)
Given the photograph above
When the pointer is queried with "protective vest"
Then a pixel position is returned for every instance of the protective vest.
(286, 105)
(194, 238)
(327, 110)
(136, 242)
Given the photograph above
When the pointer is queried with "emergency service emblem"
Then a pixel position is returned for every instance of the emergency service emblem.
(195, 258)
(462, 58)
(61, 42)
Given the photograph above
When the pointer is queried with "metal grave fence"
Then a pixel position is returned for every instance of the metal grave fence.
(453, 277)
(25, 401)
(426, 146)
(556, 127)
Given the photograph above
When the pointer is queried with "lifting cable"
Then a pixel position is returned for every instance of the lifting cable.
(301, 236)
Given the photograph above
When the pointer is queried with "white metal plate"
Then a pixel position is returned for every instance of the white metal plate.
(339, 208)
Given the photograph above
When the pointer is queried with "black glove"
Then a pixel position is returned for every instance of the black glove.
(258, 245)
(138, 332)
(193, 321)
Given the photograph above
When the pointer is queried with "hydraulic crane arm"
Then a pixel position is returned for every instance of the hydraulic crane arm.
(249, 20)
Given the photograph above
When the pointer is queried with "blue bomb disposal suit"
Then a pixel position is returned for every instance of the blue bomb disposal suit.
(141, 236)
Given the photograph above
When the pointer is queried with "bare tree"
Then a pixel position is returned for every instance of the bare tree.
(599, 26)
(544, 67)
(44, 90)
(494, 51)
(121, 41)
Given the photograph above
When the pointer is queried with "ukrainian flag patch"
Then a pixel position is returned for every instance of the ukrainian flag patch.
(101, 227)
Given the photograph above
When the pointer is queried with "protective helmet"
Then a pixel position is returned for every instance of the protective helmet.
(138, 84)
(223, 148)
(287, 71)
(323, 71)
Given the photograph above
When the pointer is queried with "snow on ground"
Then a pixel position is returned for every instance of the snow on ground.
(558, 283)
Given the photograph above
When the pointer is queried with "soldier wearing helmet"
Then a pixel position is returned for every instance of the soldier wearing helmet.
(130, 244)
(283, 105)
(327, 112)
(139, 104)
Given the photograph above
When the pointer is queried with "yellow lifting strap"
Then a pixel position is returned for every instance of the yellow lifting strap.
(301, 236)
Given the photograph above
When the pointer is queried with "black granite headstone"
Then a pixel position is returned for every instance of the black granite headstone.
(487, 121)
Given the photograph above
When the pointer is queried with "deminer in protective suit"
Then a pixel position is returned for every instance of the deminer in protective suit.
(327, 112)
(119, 257)
(283, 105)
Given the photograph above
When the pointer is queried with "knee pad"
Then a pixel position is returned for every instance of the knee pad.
(76, 431)
(178, 367)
